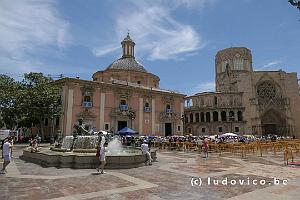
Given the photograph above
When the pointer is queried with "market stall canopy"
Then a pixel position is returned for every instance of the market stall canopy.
(127, 131)
(228, 134)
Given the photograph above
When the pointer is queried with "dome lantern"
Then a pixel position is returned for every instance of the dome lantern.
(128, 47)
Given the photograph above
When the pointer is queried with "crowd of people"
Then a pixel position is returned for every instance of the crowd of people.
(138, 140)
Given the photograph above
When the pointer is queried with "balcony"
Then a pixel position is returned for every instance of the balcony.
(123, 107)
(87, 104)
(147, 109)
(169, 111)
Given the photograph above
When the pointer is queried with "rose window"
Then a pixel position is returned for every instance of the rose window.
(266, 90)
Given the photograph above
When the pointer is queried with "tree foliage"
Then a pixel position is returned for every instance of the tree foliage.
(28, 102)
(8, 100)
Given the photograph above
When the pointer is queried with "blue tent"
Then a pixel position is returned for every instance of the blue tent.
(127, 131)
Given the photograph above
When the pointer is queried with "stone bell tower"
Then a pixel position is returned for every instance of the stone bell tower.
(229, 63)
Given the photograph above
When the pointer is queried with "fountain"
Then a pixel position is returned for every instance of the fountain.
(79, 150)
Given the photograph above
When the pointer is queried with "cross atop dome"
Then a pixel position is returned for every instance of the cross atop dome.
(128, 47)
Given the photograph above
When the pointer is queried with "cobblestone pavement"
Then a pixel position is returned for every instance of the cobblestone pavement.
(175, 176)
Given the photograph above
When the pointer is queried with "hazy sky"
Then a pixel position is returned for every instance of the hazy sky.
(175, 39)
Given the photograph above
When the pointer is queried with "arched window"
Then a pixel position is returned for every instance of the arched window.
(223, 116)
(186, 119)
(168, 109)
(215, 116)
(220, 129)
(202, 116)
(231, 116)
(123, 105)
(207, 115)
(191, 118)
(123, 102)
(197, 117)
(238, 63)
(237, 129)
(146, 105)
(87, 98)
(216, 101)
(240, 116)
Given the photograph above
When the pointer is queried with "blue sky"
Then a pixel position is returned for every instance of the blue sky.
(175, 39)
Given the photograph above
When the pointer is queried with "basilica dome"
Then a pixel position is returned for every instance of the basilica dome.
(127, 64)
(127, 69)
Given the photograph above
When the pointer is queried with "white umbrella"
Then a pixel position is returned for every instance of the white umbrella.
(228, 134)
(104, 132)
(213, 137)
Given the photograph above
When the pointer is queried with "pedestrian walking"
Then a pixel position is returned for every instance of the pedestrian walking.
(7, 146)
(145, 151)
(101, 154)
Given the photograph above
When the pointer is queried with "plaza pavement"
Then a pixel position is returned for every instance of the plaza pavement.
(174, 176)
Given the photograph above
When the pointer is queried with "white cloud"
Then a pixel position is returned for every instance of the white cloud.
(203, 87)
(271, 65)
(103, 51)
(156, 32)
(194, 4)
(27, 28)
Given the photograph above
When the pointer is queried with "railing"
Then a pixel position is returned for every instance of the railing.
(87, 104)
(147, 109)
(169, 111)
(123, 107)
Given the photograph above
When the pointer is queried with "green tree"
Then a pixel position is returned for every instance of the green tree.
(8, 102)
(40, 100)
(29, 102)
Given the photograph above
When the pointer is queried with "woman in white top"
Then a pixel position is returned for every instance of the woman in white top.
(7, 146)
(102, 158)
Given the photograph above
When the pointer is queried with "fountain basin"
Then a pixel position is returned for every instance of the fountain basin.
(49, 158)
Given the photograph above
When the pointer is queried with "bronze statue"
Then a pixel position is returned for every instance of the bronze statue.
(80, 130)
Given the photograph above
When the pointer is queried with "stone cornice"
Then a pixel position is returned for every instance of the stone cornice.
(128, 71)
(69, 81)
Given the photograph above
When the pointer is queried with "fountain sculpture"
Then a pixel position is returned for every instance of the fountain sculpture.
(79, 150)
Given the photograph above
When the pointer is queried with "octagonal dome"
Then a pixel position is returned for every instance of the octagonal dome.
(127, 63)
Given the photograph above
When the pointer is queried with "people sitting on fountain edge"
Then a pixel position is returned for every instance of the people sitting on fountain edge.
(34, 146)
(146, 151)
(101, 155)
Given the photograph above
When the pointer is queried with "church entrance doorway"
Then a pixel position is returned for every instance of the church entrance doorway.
(122, 124)
(273, 123)
(270, 129)
(168, 129)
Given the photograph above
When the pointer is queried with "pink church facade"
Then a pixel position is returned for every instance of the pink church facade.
(122, 95)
